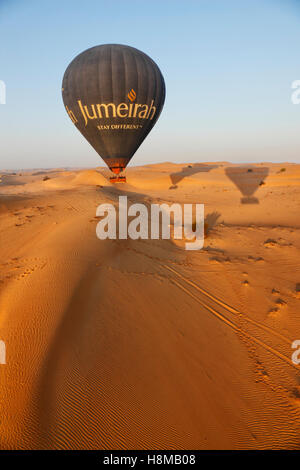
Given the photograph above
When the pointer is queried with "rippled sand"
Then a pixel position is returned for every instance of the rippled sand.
(124, 344)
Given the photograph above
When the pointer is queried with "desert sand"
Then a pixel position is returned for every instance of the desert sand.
(140, 344)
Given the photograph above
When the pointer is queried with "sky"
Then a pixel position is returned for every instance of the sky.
(228, 67)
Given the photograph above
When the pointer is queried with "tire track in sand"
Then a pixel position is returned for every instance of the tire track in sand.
(235, 313)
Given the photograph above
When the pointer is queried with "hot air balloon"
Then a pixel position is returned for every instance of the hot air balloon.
(114, 95)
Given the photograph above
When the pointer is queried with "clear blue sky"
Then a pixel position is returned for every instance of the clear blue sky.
(228, 67)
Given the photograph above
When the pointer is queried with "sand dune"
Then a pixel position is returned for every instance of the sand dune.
(123, 344)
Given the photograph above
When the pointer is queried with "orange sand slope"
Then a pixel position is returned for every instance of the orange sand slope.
(141, 344)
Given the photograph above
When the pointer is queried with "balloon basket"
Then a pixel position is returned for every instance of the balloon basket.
(117, 179)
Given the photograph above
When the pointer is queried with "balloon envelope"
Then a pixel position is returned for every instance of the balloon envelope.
(114, 95)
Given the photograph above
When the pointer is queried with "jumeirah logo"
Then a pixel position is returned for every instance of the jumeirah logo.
(132, 95)
(109, 110)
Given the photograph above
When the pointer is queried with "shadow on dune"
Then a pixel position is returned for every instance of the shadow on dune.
(210, 222)
(189, 171)
(65, 415)
(66, 419)
(46, 172)
(247, 180)
(11, 180)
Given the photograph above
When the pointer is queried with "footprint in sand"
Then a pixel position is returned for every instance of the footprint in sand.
(215, 259)
(297, 291)
(275, 291)
(273, 311)
(261, 371)
(259, 259)
(295, 396)
(280, 303)
(270, 243)
(16, 268)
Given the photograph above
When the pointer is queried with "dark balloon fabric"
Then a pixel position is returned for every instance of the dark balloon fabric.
(114, 95)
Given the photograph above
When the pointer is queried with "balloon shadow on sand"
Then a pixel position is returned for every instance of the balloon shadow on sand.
(247, 180)
(70, 346)
(189, 171)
